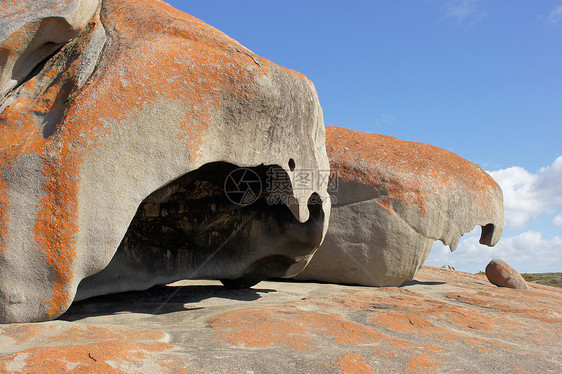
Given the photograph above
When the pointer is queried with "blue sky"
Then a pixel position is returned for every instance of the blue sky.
(479, 78)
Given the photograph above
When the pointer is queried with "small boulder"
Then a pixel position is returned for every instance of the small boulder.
(501, 274)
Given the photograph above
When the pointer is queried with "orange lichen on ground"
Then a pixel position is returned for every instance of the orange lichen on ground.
(417, 316)
(88, 333)
(22, 333)
(419, 171)
(85, 348)
(416, 329)
(93, 357)
(353, 363)
(293, 328)
(424, 363)
(405, 323)
(509, 304)
(416, 306)
(417, 326)
(302, 330)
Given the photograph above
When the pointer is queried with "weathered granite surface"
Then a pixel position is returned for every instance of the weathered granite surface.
(443, 321)
(109, 105)
(392, 200)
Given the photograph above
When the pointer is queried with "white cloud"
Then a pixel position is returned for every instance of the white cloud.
(527, 252)
(555, 16)
(521, 202)
(550, 182)
(529, 195)
(462, 10)
(384, 120)
(526, 196)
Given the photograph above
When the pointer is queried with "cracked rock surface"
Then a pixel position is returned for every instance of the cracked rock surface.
(391, 200)
(106, 108)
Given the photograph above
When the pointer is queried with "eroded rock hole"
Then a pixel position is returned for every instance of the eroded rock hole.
(292, 164)
(192, 229)
(487, 234)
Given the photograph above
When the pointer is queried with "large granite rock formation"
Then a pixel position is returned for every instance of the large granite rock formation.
(119, 123)
(444, 322)
(391, 200)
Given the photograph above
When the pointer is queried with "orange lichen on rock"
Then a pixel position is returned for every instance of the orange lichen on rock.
(57, 226)
(353, 363)
(196, 63)
(501, 274)
(424, 363)
(21, 333)
(512, 304)
(68, 123)
(86, 348)
(4, 213)
(22, 134)
(419, 171)
(93, 357)
(406, 323)
(391, 200)
(416, 328)
(296, 329)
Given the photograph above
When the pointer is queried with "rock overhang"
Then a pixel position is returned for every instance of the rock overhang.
(391, 200)
(107, 119)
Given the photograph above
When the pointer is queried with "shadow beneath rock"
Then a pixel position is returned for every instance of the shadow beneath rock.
(156, 300)
(415, 282)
